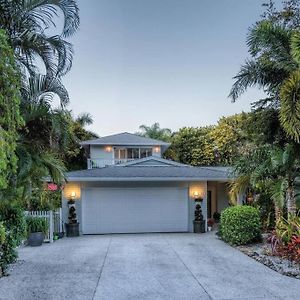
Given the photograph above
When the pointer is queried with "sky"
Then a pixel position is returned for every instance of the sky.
(168, 61)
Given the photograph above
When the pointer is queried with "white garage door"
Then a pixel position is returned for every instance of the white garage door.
(129, 210)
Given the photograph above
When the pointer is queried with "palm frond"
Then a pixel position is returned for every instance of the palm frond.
(278, 190)
(43, 88)
(290, 106)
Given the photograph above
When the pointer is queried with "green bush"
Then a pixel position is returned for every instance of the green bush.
(240, 225)
(13, 219)
(35, 224)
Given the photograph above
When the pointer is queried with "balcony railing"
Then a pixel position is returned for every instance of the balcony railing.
(101, 163)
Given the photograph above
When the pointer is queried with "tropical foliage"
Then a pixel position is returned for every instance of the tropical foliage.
(274, 47)
(285, 240)
(27, 25)
(210, 145)
(10, 119)
(155, 132)
(35, 136)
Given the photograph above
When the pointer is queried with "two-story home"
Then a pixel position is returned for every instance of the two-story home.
(128, 188)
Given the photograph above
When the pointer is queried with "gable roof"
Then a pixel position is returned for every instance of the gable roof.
(151, 173)
(125, 138)
(151, 161)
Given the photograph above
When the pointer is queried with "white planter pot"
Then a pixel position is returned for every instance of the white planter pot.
(209, 228)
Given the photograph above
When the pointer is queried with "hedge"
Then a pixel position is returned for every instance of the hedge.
(13, 218)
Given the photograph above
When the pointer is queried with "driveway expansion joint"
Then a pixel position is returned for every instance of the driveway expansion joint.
(102, 267)
(189, 270)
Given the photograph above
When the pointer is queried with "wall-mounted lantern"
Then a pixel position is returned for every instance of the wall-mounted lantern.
(108, 148)
(197, 196)
(156, 149)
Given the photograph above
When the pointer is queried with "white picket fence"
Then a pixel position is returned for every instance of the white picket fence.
(54, 219)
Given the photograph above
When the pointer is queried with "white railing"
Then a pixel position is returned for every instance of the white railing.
(100, 163)
(54, 219)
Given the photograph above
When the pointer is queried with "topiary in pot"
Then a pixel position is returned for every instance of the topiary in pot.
(240, 225)
(37, 229)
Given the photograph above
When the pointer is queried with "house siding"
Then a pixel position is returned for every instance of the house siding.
(99, 152)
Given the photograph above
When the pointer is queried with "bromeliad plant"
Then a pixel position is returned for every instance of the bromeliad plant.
(285, 240)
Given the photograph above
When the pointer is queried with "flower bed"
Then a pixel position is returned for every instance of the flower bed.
(262, 252)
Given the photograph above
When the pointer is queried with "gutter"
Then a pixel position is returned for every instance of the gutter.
(127, 179)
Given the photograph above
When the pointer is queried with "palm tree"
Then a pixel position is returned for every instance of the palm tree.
(155, 132)
(27, 24)
(273, 170)
(285, 165)
(44, 135)
(275, 68)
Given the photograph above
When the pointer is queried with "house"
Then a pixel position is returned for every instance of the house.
(128, 188)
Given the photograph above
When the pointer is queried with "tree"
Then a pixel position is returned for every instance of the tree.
(27, 24)
(155, 132)
(10, 119)
(74, 155)
(270, 170)
(228, 137)
(211, 145)
(274, 46)
(43, 135)
(193, 146)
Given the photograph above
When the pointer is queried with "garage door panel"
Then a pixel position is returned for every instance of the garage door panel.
(135, 210)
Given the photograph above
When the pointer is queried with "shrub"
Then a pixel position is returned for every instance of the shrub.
(13, 219)
(44, 200)
(35, 224)
(240, 225)
(285, 240)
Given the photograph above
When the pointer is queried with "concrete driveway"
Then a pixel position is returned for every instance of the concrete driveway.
(142, 266)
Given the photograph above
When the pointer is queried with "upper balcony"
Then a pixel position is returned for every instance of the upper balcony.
(121, 148)
(100, 163)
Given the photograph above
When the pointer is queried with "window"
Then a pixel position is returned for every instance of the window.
(132, 153)
(145, 152)
(120, 153)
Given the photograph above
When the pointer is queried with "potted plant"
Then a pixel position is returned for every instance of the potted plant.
(72, 227)
(37, 228)
(210, 224)
(217, 217)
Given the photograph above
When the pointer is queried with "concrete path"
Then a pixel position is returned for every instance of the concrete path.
(142, 266)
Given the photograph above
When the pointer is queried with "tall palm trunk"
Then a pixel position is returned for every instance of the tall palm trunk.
(290, 200)
(278, 212)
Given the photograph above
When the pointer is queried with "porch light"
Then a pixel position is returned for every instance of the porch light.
(108, 149)
(156, 149)
(73, 195)
(197, 196)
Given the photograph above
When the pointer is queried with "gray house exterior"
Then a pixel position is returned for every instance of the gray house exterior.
(129, 188)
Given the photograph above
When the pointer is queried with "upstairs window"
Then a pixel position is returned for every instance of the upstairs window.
(132, 153)
(145, 152)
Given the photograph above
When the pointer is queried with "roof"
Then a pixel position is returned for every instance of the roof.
(125, 138)
(151, 173)
(152, 161)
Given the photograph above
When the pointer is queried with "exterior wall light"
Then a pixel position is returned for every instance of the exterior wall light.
(72, 195)
(156, 149)
(108, 148)
(197, 197)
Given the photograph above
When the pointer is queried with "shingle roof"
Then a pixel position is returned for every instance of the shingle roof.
(125, 138)
(115, 173)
